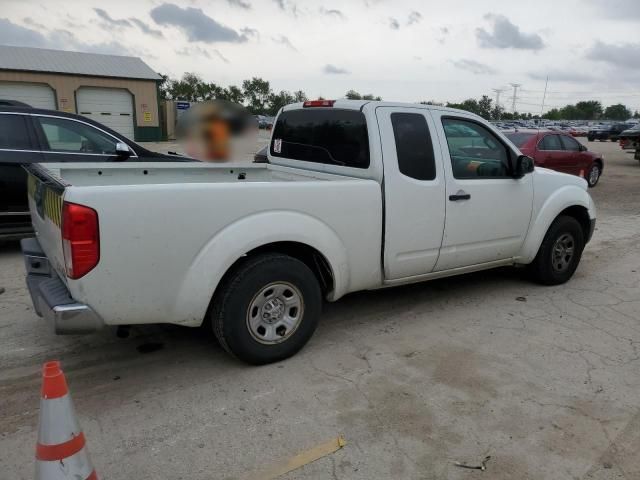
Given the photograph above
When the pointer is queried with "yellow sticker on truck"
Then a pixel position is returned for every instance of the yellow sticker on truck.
(48, 203)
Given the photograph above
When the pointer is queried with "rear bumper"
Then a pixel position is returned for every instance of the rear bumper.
(51, 298)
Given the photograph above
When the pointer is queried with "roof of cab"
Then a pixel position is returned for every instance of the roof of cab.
(359, 104)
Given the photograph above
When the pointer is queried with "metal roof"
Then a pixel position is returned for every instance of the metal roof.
(75, 63)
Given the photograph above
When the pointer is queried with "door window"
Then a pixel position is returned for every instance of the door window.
(13, 132)
(569, 143)
(475, 152)
(550, 142)
(413, 146)
(62, 135)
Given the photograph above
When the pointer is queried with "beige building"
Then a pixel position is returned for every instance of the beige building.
(119, 92)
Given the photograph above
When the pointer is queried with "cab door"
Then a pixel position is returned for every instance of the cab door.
(577, 163)
(414, 191)
(552, 154)
(487, 210)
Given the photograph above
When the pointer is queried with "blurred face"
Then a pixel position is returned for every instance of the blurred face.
(218, 132)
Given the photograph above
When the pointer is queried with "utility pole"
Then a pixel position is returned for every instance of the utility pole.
(515, 90)
(498, 91)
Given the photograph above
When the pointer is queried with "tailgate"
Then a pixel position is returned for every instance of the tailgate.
(46, 193)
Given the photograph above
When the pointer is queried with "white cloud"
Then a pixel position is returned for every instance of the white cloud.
(507, 35)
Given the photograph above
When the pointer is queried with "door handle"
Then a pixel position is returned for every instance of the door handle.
(460, 195)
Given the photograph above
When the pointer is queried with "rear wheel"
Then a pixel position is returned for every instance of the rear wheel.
(593, 175)
(560, 252)
(267, 309)
(590, 139)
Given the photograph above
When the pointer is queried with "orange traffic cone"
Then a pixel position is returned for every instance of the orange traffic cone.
(61, 453)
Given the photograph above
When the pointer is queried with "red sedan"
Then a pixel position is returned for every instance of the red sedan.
(559, 151)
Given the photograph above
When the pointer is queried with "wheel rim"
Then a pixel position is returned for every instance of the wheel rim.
(275, 313)
(563, 252)
(594, 175)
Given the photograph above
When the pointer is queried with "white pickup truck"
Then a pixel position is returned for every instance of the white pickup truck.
(357, 195)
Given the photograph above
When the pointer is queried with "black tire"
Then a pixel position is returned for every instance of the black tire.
(240, 289)
(590, 139)
(542, 268)
(592, 179)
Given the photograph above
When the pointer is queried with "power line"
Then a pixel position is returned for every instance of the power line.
(498, 91)
(515, 90)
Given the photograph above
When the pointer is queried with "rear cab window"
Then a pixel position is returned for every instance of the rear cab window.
(322, 135)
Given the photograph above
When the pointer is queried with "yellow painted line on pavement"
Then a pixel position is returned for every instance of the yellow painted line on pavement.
(300, 460)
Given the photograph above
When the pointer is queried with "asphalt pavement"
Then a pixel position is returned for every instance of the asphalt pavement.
(544, 380)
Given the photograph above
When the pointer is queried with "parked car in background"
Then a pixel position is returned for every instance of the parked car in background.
(559, 151)
(630, 139)
(607, 132)
(29, 135)
(261, 155)
(264, 122)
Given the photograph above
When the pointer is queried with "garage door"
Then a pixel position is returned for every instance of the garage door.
(33, 94)
(112, 107)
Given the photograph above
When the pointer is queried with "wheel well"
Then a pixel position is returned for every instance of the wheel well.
(581, 214)
(311, 257)
(598, 161)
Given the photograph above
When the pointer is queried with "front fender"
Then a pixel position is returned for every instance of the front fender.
(236, 239)
(561, 199)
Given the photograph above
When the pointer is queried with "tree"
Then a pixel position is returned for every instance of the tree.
(484, 107)
(256, 92)
(234, 94)
(188, 88)
(588, 110)
(300, 96)
(636, 114)
(497, 112)
(163, 86)
(279, 100)
(617, 112)
(353, 95)
(470, 105)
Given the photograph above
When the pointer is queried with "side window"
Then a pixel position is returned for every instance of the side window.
(64, 135)
(13, 132)
(475, 151)
(413, 146)
(569, 143)
(550, 142)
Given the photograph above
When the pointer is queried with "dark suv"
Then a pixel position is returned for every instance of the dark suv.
(29, 135)
(609, 132)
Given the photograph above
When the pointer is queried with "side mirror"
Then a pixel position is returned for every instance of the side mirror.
(524, 165)
(122, 151)
(583, 148)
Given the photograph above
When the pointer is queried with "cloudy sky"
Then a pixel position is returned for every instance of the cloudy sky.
(406, 50)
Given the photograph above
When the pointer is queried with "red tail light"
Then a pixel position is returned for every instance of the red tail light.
(80, 239)
(318, 103)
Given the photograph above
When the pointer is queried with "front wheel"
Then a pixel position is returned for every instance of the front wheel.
(267, 308)
(560, 252)
(593, 175)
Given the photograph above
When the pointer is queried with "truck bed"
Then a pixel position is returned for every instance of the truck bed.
(168, 232)
(139, 173)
